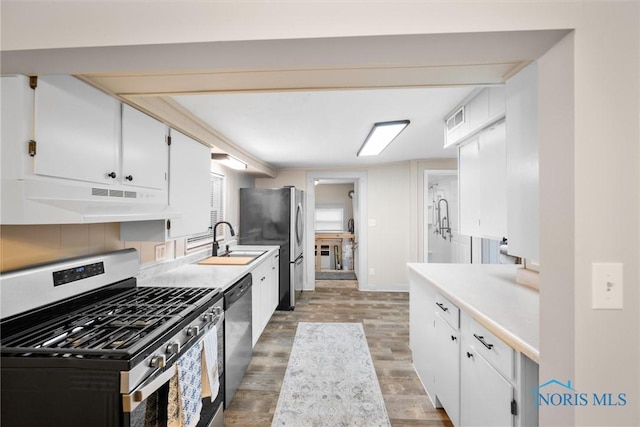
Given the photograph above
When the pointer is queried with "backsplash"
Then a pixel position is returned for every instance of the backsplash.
(22, 245)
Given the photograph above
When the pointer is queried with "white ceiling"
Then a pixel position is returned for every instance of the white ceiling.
(326, 128)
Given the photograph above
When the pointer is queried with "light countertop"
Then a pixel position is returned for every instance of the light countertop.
(489, 293)
(207, 276)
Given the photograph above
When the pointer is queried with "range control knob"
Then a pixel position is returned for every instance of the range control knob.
(173, 348)
(208, 317)
(158, 361)
(192, 331)
(217, 310)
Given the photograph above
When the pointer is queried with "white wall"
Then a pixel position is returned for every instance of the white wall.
(601, 145)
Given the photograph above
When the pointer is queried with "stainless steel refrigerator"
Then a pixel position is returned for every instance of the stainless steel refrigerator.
(275, 216)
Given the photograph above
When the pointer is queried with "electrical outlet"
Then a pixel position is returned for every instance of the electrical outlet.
(606, 286)
(161, 253)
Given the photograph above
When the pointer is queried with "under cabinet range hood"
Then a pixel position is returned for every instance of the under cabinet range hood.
(35, 201)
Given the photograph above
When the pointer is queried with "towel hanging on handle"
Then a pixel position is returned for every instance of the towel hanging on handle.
(185, 389)
(210, 381)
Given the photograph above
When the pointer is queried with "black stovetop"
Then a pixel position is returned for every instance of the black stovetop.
(115, 322)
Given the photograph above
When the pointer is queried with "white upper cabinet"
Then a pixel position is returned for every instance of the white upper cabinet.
(469, 189)
(481, 109)
(17, 125)
(72, 154)
(76, 131)
(482, 184)
(189, 185)
(189, 195)
(145, 152)
(522, 164)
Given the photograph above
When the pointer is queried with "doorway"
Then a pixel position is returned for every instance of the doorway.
(443, 242)
(351, 252)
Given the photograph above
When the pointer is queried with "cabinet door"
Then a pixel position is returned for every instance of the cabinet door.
(477, 110)
(493, 182)
(76, 130)
(485, 396)
(469, 188)
(17, 125)
(261, 299)
(275, 282)
(421, 330)
(256, 306)
(447, 368)
(189, 185)
(145, 153)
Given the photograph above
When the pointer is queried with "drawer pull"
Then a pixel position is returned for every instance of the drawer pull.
(484, 343)
(469, 355)
(453, 338)
(441, 305)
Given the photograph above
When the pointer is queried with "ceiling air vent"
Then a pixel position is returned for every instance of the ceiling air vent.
(455, 120)
(99, 192)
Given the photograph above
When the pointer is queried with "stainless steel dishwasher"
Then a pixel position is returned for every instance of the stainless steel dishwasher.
(237, 335)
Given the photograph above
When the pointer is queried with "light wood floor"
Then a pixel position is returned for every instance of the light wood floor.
(385, 318)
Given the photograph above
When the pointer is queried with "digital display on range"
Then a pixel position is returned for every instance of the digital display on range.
(74, 274)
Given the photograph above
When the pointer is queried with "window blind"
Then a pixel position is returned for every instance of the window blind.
(217, 213)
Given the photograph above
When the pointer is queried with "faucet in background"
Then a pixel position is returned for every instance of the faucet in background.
(216, 245)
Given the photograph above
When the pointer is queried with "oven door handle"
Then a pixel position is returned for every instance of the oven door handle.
(131, 401)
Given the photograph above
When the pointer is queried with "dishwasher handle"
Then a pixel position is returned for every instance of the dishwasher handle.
(236, 291)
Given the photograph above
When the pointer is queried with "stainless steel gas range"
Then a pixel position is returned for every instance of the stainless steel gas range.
(83, 345)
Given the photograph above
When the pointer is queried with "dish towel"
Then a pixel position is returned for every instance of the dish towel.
(185, 389)
(210, 381)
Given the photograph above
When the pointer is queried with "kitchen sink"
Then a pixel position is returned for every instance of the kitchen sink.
(239, 257)
(241, 253)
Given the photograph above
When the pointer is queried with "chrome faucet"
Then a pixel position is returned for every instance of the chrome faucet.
(216, 245)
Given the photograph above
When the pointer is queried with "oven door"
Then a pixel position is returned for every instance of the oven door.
(147, 405)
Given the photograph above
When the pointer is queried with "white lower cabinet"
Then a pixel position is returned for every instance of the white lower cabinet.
(477, 378)
(262, 290)
(447, 366)
(421, 323)
(487, 377)
(485, 395)
(275, 282)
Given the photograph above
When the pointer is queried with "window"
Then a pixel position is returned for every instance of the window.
(329, 218)
(217, 214)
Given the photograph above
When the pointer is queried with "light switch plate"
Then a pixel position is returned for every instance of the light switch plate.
(607, 286)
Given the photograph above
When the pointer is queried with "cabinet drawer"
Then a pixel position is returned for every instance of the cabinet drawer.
(448, 311)
(493, 349)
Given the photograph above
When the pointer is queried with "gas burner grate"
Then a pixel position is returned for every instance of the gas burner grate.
(116, 326)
